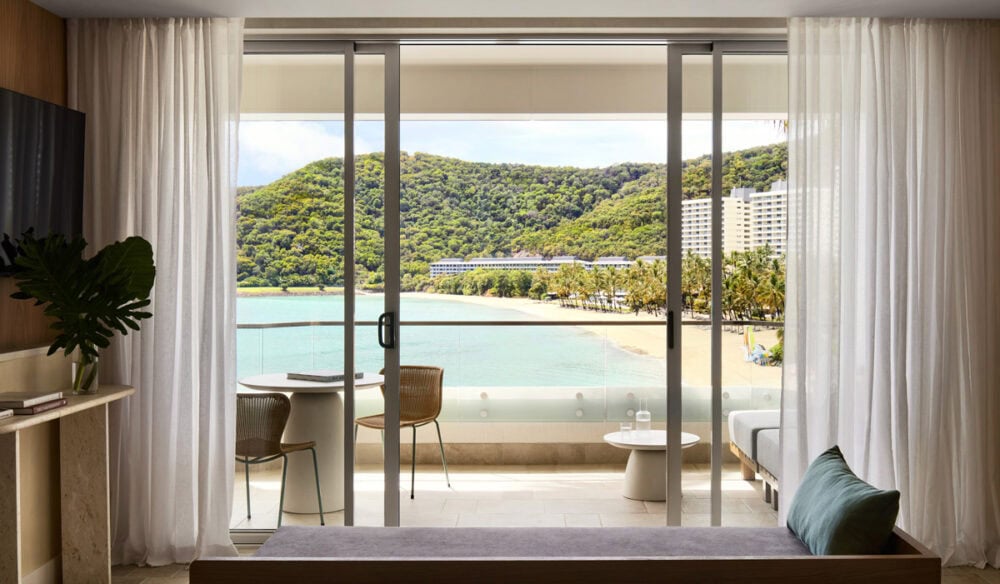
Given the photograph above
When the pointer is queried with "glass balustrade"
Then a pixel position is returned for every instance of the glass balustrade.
(528, 373)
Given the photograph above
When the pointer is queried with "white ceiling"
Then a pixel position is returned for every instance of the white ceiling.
(524, 8)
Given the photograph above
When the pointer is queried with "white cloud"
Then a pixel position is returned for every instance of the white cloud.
(271, 149)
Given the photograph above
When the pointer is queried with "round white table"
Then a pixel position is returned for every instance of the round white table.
(646, 470)
(317, 415)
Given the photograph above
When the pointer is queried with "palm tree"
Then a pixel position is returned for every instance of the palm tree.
(635, 285)
(561, 284)
(611, 282)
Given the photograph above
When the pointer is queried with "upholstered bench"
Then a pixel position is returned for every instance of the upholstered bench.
(769, 463)
(359, 555)
(745, 436)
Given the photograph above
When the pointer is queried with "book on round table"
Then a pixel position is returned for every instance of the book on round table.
(321, 375)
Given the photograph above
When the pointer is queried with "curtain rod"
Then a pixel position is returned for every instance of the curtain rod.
(518, 29)
(529, 23)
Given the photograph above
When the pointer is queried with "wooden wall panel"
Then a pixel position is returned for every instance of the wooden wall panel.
(22, 324)
(33, 62)
(32, 51)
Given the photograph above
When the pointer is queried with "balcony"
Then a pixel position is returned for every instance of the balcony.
(516, 495)
(523, 425)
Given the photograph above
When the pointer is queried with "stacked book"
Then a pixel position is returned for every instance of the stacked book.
(25, 403)
(322, 376)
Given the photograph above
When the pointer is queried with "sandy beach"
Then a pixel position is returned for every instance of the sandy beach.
(650, 340)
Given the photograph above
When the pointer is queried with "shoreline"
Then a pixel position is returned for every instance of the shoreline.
(648, 340)
(273, 291)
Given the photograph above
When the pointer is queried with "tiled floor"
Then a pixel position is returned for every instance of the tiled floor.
(518, 496)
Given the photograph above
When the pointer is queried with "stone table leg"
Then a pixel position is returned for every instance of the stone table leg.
(86, 516)
(316, 417)
(646, 475)
(10, 512)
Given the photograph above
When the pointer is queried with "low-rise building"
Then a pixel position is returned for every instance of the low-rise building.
(452, 266)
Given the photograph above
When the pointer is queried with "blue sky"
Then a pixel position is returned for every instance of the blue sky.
(270, 149)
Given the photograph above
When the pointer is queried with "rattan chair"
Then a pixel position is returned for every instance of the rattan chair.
(260, 422)
(419, 405)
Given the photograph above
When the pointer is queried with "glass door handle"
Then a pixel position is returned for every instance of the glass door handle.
(387, 321)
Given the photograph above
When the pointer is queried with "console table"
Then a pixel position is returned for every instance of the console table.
(83, 478)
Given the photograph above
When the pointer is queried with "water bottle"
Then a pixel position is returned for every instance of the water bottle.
(643, 419)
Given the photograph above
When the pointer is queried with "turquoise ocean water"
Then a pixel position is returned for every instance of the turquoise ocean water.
(486, 356)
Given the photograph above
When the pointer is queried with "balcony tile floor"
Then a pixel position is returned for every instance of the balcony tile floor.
(512, 496)
(517, 496)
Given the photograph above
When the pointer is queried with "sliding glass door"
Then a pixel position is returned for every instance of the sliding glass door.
(371, 301)
(749, 125)
(291, 178)
(318, 238)
(533, 249)
(586, 238)
(727, 179)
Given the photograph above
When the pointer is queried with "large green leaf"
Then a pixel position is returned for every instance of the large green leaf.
(128, 263)
(88, 299)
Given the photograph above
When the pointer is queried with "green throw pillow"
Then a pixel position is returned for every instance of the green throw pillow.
(836, 513)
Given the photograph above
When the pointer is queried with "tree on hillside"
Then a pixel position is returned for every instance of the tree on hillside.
(290, 232)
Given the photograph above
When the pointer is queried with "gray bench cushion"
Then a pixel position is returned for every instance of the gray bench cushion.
(744, 425)
(768, 453)
(483, 542)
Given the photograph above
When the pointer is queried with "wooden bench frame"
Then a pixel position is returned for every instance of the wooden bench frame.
(906, 562)
(751, 468)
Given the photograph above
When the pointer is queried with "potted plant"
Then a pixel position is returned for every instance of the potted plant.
(88, 299)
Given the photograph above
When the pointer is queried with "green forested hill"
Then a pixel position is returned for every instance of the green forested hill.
(631, 223)
(290, 232)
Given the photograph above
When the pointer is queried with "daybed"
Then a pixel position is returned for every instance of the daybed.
(753, 438)
(359, 555)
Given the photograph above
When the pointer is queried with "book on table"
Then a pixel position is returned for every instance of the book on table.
(6, 414)
(27, 399)
(39, 408)
(321, 375)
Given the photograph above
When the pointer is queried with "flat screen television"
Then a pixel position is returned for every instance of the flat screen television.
(41, 169)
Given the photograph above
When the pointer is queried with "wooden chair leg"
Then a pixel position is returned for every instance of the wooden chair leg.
(767, 492)
(774, 500)
(747, 470)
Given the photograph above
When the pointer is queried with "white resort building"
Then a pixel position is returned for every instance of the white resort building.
(769, 217)
(452, 266)
(749, 220)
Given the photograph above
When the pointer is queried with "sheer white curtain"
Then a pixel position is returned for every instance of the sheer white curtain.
(162, 104)
(893, 331)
